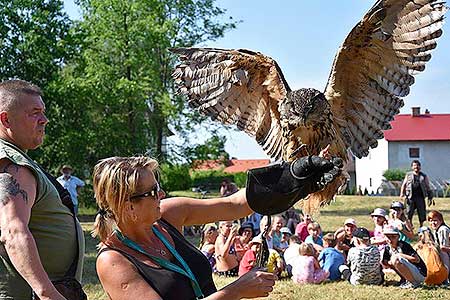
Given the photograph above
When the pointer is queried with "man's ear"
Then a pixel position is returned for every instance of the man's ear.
(4, 120)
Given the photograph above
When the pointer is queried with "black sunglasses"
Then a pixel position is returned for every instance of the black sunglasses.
(154, 192)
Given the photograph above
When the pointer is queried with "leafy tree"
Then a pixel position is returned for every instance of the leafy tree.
(212, 149)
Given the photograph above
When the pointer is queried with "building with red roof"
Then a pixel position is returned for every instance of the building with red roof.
(231, 166)
(425, 137)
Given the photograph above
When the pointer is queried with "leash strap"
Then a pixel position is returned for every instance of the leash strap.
(184, 270)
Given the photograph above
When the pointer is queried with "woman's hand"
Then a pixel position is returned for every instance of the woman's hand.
(254, 284)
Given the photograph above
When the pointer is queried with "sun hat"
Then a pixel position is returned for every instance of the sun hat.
(246, 225)
(285, 230)
(66, 167)
(379, 212)
(256, 240)
(350, 221)
(397, 204)
(423, 229)
(361, 233)
(391, 231)
(209, 226)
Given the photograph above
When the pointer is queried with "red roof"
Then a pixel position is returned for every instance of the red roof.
(425, 127)
(232, 165)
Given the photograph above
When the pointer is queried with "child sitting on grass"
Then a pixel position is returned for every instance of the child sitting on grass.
(330, 258)
(248, 261)
(306, 268)
(314, 238)
(363, 261)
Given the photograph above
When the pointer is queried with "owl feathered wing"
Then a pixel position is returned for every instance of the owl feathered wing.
(236, 87)
(375, 66)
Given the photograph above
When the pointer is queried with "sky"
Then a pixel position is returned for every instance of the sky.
(303, 37)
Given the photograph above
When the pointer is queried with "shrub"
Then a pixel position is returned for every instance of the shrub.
(212, 179)
(394, 174)
(175, 177)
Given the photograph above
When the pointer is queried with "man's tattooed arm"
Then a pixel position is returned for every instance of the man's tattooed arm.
(9, 187)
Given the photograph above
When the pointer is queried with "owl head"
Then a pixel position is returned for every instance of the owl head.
(304, 108)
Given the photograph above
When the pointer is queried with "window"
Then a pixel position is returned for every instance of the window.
(414, 152)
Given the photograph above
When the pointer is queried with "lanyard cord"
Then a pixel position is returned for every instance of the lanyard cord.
(185, 271)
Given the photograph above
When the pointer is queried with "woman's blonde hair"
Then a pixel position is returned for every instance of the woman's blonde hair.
(306, 249)
(115, 180)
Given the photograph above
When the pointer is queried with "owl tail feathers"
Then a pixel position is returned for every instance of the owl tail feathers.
(314, 201)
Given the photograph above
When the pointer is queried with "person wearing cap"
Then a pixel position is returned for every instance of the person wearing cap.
(415, 188)
(207, 241)
(344, 236)
(379, 219)
(441, 234)
(285, 235)
(363, 261)
(398, 219)
(245, 235)
(403, 259)
(71, 183)
(248, 261)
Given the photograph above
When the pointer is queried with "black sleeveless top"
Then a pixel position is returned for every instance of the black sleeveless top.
(171, 285)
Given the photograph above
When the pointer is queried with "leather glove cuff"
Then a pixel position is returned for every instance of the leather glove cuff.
(275, 188)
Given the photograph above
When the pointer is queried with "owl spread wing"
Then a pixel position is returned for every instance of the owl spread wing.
(375, 66)
(236, 87)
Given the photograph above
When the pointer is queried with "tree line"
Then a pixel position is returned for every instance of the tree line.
(106, 76)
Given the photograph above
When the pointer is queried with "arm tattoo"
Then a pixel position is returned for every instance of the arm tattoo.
(10, 187)
(9, 167)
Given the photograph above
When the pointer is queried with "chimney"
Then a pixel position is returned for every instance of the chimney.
(415, 111)
(427, 112)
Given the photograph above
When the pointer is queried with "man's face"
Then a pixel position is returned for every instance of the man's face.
(415, 167)
(27, 122)
(349, 228)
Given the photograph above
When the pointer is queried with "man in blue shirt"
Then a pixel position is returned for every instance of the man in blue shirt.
(71, 183)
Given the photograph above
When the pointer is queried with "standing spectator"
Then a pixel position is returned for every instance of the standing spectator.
(249, 259)
(207, 242)
(363, 261)
(306, 268)
(397, 219)
(379, 220)
(441, 234)
(241, 244)
(72, 184)
(227, 262)
(414, 189)
(344, 236)
(38, 232)
(302, 228)
(330, 258)
(292, 219)
(401, 257)
(228, 188)
(291, 252)
(255, 219)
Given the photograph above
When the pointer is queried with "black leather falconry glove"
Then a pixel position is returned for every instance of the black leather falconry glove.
(275, 188)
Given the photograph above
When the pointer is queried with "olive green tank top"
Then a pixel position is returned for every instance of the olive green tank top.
(52, 226)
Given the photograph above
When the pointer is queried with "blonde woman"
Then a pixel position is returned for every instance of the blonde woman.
(143, 254)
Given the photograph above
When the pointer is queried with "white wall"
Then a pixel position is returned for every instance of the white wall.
(369, 170)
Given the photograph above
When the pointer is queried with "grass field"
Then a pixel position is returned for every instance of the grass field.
(330, 218)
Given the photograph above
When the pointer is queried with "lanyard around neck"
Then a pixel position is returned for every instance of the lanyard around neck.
(185, 270)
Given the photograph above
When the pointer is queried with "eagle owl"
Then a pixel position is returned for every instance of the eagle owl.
(372, 71)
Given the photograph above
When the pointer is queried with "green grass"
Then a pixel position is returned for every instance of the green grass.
(331, 217)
